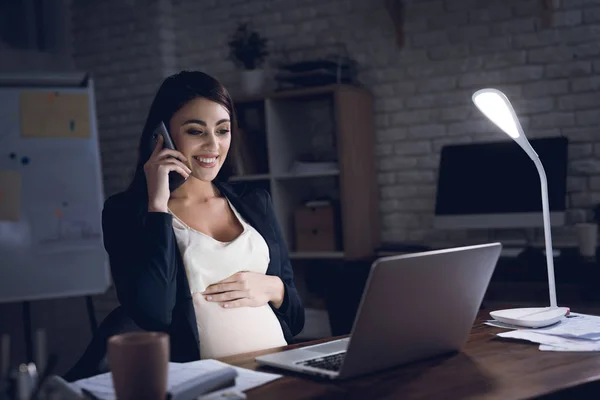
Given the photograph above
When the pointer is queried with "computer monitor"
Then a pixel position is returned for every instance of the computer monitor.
(496, 185)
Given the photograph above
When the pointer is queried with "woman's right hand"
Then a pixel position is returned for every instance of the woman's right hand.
(157, 168)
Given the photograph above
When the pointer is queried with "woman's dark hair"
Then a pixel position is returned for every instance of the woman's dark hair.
(175, 91)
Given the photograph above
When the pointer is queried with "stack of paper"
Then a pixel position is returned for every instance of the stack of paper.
(102, 387)
(576, 332)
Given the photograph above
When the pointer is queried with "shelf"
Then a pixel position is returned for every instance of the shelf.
(308, 175)
(257, 177)
(264, 177)
(317, 255)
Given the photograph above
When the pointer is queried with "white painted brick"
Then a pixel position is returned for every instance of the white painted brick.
(494, 12)
(431, 161)
(505, 59)
(591, 15)
(580, 150)
(584, 200)
(510, 75)
(585, 84)
(522, 25)
(582, 133)
(400, 219)
(448, 20)
(576, 216)
(579, 101)
(412, 205)
(412, 117)
(445, 52)
(474, 126)
(397, 191)
(440, 84)
(386, 178)
(389, 104)
(490, 45)
(537, 39)
(454, 5)
(569, 69)
(404, 88)
(383, 149)
(595, 183)
(438, 144)
(395, 162)
(413, 147)
(415, 177)
(567, 18)
(588, 117)
(391, 134)
(577, 184)
(585, 167)
(553, 120)
(546, 73)
(550, 55)
(388, 206)
(533, 106)
(451, 114)
(427, 131)
(467, 32)
(586, 50)
(544, 88)
(428, 39)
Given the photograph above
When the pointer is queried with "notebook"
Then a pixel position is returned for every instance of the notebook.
(189, 380)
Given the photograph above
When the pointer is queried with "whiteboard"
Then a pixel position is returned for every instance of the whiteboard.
(51, 194)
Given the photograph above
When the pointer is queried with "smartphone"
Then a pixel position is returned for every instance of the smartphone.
(175, 178)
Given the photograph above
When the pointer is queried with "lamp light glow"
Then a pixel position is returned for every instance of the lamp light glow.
(494, 105)
(497, 108)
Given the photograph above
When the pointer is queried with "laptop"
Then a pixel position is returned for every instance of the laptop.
(414, 306)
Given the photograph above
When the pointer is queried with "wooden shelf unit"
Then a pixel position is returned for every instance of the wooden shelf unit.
(333, 125)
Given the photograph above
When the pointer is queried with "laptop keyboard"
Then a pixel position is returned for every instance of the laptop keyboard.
(331, 362)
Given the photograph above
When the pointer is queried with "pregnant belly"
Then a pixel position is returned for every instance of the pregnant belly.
(228, 331)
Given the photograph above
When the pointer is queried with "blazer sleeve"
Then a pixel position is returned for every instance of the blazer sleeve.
(143, 263)
(291, 309)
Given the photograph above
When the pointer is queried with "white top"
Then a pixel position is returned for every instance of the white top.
(227, 331)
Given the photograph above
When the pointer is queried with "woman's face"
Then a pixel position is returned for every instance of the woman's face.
(201, 130)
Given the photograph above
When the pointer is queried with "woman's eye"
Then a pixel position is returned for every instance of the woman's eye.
(223, 131)
(194, 132)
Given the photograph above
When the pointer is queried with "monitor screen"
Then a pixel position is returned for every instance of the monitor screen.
(495, 185)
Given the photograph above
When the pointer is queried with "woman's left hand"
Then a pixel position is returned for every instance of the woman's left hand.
(246, 289)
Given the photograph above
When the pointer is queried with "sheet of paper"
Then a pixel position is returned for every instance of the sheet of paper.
(578, 332)
(550, 340)
(46, 114)
(577, 325)
(101, 385)
(10, 196)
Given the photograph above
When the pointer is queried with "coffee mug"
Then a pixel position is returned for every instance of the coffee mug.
(139, 363)
(587, 237)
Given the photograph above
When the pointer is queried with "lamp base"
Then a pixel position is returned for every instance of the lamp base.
(534, 317)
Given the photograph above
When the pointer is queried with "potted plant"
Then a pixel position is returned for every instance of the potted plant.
(248, 51)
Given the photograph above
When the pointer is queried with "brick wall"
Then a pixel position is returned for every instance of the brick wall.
(423, 91)
(127, 46)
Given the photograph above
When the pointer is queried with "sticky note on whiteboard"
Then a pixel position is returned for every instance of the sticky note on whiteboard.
(46, 114)
(10, 196)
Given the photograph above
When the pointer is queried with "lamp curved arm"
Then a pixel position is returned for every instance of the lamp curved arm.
(547, 230)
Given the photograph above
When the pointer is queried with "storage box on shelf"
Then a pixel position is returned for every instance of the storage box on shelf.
(314, 145)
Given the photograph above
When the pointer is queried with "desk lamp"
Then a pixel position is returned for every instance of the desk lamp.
(496, 106)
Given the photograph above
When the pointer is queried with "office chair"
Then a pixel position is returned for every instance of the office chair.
(93, 361)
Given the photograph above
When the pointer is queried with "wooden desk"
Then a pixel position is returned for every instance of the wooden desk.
(488, 368)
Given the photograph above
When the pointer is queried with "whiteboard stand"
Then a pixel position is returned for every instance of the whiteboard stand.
(53, 238)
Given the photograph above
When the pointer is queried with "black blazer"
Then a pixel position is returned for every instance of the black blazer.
(149, 274)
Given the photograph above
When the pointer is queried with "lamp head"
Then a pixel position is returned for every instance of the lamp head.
(497, 108)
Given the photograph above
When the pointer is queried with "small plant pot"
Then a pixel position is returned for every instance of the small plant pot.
(253, 81)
